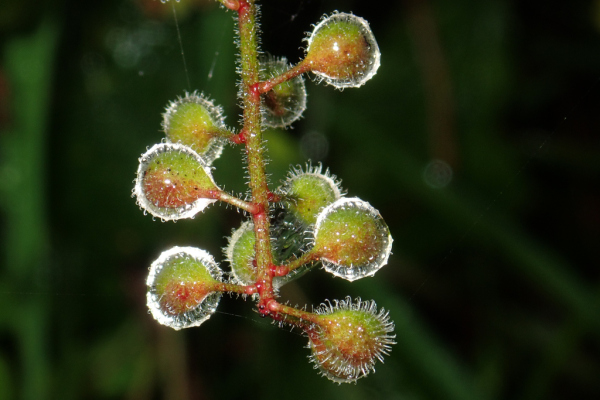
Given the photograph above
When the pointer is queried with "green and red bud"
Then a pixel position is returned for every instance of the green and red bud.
(348, 339)
(342, 50)
(193, 120)
(181, 285)
(352, 239)
(174, 182)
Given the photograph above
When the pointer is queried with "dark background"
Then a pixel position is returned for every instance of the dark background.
(493, 282)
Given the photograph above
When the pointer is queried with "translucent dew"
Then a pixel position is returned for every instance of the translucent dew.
(286, 102)
(181, 287)
(342, 51)
(173, 182)
(352, 239)
(193, 120)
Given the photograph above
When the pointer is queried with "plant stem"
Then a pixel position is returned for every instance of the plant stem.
(304, 259)
(266, 86)
(254, 147)
(239, 203)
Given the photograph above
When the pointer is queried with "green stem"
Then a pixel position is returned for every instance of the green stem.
(304, 259)
(299, 69)
(300, 318)
(233, 288)
(254, 147)
(237, 202)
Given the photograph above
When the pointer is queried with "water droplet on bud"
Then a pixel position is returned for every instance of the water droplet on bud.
(352, 239)
(180, 287)
(173, 182)
(342, 50)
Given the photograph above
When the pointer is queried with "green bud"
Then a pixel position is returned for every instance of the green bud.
(349, 338)
(306, 193)
(342, 50)
(240, 254)
(173, 182)
(351, 239)
(181, 287)
(195, 121)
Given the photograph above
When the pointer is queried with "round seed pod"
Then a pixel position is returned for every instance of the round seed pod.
(342, 51)
(306, 193)
(351, 239)
(286, 102)
(181, 287)
(193, 120)
(349, 338)
(173, 182)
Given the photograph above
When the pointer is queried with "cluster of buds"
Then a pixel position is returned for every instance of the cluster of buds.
(307, 222)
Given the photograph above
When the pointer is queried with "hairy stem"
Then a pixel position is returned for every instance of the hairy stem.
(254, 146)
(266, 86)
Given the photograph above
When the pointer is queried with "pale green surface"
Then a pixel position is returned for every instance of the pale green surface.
(309, 193)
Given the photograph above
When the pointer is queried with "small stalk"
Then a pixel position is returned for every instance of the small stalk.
(268, 85)
(236, 202)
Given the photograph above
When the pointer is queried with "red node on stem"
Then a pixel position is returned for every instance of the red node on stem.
(250, 290)
(243, 6)
(279, 270)
(272, 197)
(254, 90)
(239, 138)
(232, 4)
(259, 210)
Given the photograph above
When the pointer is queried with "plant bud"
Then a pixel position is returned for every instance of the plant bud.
(307, 193)
(342, 50)
(351, 239)
(240, 254)
(196, 122)
(173, 182)
(349, 339)
(286, 102)
(181, 287)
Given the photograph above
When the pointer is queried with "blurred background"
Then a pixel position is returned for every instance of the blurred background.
(478, 141)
